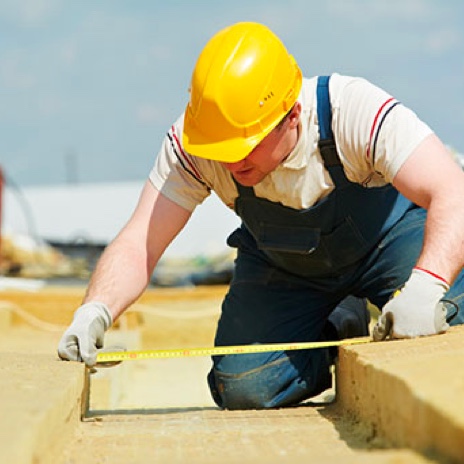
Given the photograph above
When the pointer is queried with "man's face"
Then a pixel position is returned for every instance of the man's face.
(268, 154)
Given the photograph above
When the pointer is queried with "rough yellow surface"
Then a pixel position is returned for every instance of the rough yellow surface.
(40, 405)
(409, 391)
(397, 402)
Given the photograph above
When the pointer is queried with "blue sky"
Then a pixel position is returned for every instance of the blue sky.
(88, 88)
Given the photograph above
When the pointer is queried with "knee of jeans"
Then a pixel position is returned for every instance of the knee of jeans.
(279, 383)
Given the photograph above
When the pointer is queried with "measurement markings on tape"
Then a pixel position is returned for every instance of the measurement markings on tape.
(115, 356)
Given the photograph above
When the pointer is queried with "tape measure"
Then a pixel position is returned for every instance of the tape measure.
(110, 358)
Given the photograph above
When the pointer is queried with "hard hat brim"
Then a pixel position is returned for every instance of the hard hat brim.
(228, 151)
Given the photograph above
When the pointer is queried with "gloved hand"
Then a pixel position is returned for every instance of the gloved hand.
(85, 334)
(416, 310)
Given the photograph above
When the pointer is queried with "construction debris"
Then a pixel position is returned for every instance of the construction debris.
(24, 256)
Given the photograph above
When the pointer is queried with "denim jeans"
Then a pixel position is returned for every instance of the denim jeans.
(267, 305)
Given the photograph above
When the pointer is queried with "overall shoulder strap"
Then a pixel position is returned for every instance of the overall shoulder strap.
(326, 143)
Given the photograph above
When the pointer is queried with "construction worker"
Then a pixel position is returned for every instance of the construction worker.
(345, 195)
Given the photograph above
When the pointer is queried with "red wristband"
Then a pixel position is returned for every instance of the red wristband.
(432, 274)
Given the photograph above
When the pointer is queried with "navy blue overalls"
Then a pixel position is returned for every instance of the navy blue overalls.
(294, 267)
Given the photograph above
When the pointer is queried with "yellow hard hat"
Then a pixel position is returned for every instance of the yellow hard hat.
(243, 84)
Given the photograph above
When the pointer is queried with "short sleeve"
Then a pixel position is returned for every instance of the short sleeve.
(374, 131)
(176, 174)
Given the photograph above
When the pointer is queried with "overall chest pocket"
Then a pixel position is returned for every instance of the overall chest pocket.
(310, 251)
(288, 239)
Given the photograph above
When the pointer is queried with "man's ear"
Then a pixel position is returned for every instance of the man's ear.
(294, 116)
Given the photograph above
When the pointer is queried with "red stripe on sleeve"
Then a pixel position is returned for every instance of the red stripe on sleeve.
(186, 158)
(374, 124)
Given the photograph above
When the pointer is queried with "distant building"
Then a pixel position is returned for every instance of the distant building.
(93, 214)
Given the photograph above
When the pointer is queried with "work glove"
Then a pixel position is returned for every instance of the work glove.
(85, 334)
(415, 310)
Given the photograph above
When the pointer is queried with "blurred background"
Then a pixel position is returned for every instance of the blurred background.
(88, 90)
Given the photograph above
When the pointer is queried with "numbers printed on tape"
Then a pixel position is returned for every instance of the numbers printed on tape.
(106, 357)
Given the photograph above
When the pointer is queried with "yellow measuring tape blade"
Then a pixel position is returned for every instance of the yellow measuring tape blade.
(105, 357)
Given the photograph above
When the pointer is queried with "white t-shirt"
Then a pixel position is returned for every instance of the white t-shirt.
(373, 132)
